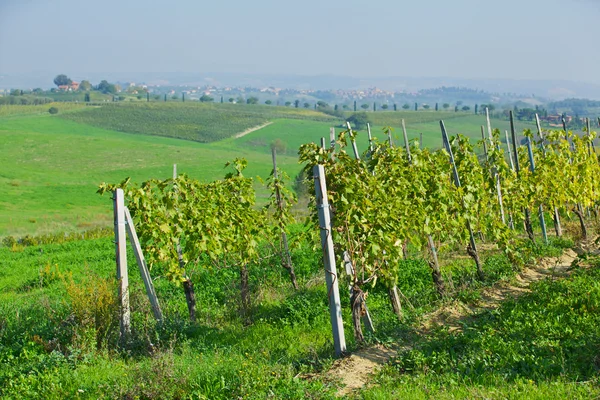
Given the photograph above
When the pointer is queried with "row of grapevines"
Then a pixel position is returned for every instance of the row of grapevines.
(181, 221)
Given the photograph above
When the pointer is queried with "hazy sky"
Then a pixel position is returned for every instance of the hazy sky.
(545, 39)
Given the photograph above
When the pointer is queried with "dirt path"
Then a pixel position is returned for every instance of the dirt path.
(456, 313)
(355, 370)
(250, 130)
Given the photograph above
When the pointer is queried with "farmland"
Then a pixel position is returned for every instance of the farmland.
(52, 164)
(63, 340)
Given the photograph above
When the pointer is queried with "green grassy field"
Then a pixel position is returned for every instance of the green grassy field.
(51, 165)
(200, 122)
(58, 336)
(51, 168)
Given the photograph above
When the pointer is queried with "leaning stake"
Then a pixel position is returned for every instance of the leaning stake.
(331, 277)
(472, 248)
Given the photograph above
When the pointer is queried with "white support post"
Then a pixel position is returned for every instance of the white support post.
(331, 277)
(141, 262)
(332, 137)
(354, 148)
(174, 171)
(121, 258)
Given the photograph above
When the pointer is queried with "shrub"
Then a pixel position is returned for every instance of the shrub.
(53, 110)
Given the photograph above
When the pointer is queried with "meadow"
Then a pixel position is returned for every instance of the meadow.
(51, 165)
(59, 328)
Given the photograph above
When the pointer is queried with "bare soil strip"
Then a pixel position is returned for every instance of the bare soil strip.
(250, 130)
(355, 370)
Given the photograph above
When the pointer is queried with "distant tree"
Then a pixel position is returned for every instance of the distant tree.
(86, 98)
(38, 91)
(279, 145)
(436, 107)
(240, 100)
(206, 98)
(466, 108)
(289, 103)
(322, 104)
(345, 106)
(157, 97)
(455, 108)
(296, 103)
(85, 86)
(121, 98)
(183, 96)
(268, 102)
(426, 106)
(364, 106)
(395, 107)
(139, 96)
(106, 88)
(374, 107)
(165, 97)
(53, 110)
(406, 106)
(306, 105)
(476, 109)
(359, 120)
(62, 79)
(252, 100)
(354, 105)
(15, 92)
(445, 106)
(335, 108)
(221, 99)
(231, 100)
(416, 106)
(384, 106)
(175, 97)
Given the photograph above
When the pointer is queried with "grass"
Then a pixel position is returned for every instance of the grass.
(51, 165)
(51, 168)
(543, 345)
(201, 122)
(50, 349)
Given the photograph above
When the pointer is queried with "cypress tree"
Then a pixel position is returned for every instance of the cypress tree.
(354, 105)
(436, 106)
(374, 107)
(147, 97)
(416, 106)
(476, 108)
(165, 97)
(395, 107)
(183, 97)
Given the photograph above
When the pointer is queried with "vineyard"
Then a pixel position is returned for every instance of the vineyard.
(245, 298)
(191, 121)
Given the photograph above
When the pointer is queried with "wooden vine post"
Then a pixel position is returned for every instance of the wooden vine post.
(541, 208)
(121, 258)
(143, 268)
(370, 138)
(286, 258)
(124, 223)
(556, 216)
(331, 276)
(528, 227)
(472, 247)
(366, 318)
(494, 170)
(433, 263)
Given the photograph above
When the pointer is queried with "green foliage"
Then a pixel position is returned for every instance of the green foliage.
(359, 120)
(53, 110)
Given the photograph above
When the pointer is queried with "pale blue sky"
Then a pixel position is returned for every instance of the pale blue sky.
(526, 39)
